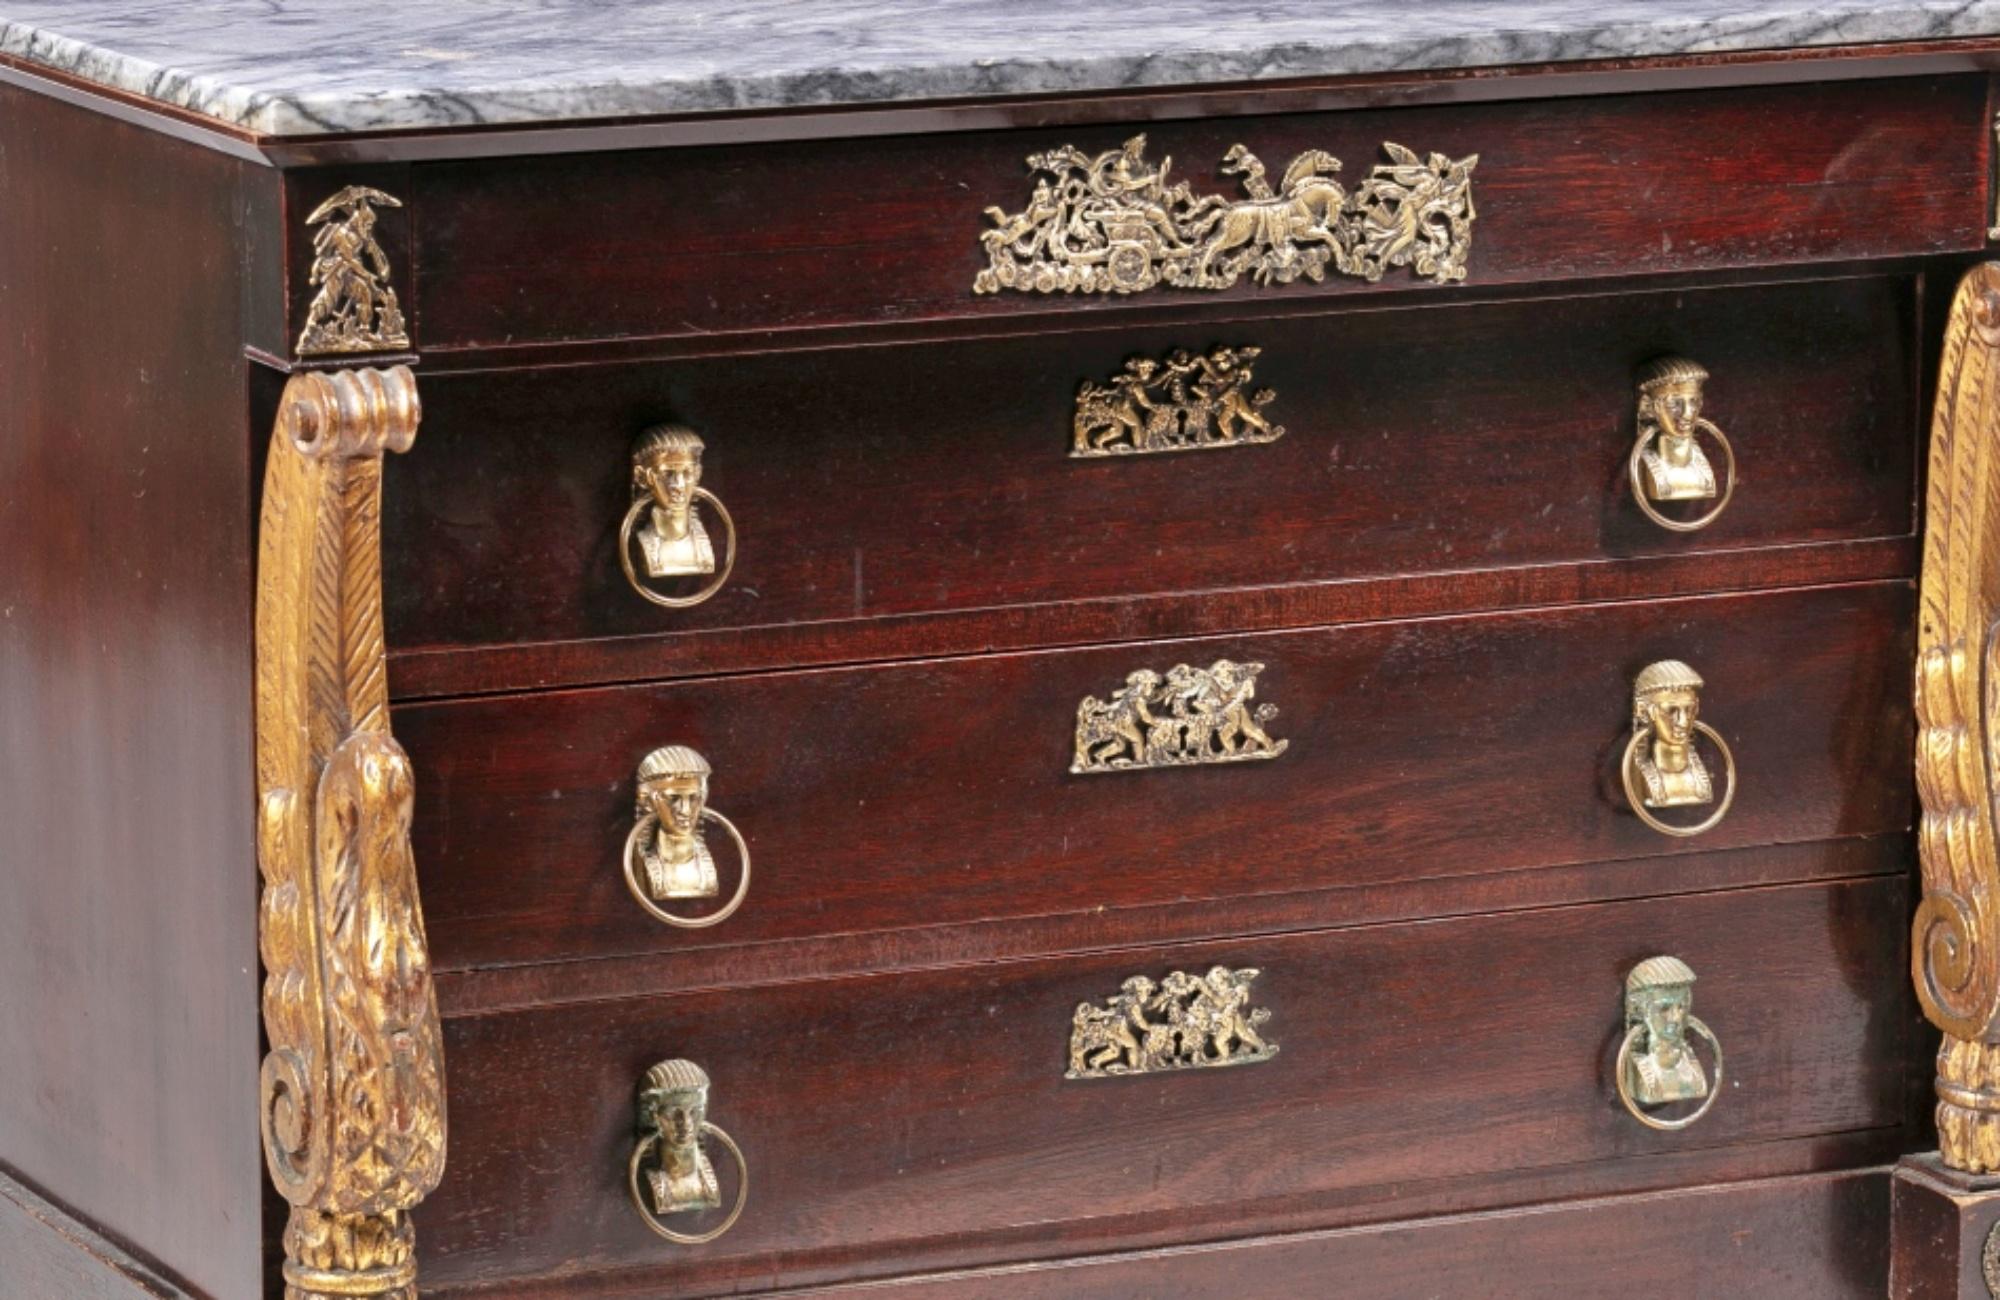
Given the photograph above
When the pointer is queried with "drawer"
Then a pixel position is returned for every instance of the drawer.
(916, 794)
(1775, 1238)
(872, 483)
(917, 1120)
(688, 242)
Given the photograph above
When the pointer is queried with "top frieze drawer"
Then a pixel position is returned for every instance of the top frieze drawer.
(667, 243)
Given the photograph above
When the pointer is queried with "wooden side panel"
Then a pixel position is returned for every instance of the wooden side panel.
(128, 956)
(922, 1120)
(938, 792)
(687, 242)
(45, 1252)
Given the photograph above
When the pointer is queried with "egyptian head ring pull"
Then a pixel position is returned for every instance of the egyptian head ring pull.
(1667, 462)
(666, 854)
(1656, 1063)
(673, 1120)
(1662, 768)
(662, 526)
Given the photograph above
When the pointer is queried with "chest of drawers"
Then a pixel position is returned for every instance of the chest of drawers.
(743, 654)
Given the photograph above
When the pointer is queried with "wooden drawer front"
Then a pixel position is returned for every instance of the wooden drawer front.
(879, 482)
(922, 1119)
(932, 793)
(695, 241)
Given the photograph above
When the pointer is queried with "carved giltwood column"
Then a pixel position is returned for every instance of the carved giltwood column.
(1947, 1206)
(353, 1086)
(1955, 953)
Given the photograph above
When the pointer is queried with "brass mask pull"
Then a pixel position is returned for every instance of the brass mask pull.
(666, 855)
(673, 1120)
(1656, 1063)
(1662, 768)
(1667, 462)
(666, 483)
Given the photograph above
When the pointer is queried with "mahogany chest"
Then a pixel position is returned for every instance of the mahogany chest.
(1338, 664)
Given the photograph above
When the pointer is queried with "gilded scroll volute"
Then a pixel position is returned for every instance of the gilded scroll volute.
(1955, 949)
(353, 1086)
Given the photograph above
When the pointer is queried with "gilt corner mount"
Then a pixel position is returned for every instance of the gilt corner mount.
(1113, 223)
(354, 308)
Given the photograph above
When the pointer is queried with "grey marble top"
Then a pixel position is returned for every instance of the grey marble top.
(307, 67)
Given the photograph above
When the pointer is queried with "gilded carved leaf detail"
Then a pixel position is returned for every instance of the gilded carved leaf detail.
(1955, 951)
(353, 1085)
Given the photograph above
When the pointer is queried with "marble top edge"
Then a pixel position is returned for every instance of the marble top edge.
(292, 68)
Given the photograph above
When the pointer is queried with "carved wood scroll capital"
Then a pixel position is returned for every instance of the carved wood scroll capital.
(1955, 948)
(353, 1086)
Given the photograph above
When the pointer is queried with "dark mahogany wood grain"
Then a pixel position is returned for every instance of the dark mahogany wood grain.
(490, 989)
(537, 665)
(1806, 1237)
(810, 234)
(936, 792)
(128, 952)
(922, 1120)
(885, 482)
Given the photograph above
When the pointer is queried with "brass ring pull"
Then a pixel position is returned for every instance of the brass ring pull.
(1667, 464)
(1660, 768)
(652, 1218)
(1632, 1104)
(673, 1118)
(672, 803)
(666, 483)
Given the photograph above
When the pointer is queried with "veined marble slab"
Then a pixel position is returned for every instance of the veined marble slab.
(307, 67)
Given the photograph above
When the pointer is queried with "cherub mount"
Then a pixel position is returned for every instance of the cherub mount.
(1113, 224)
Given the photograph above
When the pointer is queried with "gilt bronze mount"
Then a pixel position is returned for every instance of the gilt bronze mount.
(1181, 402)
(355, 307)
(1184, 1022)
(1181, 717)
(1113, 224)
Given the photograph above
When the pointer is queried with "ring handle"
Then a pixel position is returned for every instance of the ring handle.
(1629, 770)
(632, 517)
(1633, 468)
(1625, 1087)
(653, 1221)
(632, 841)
